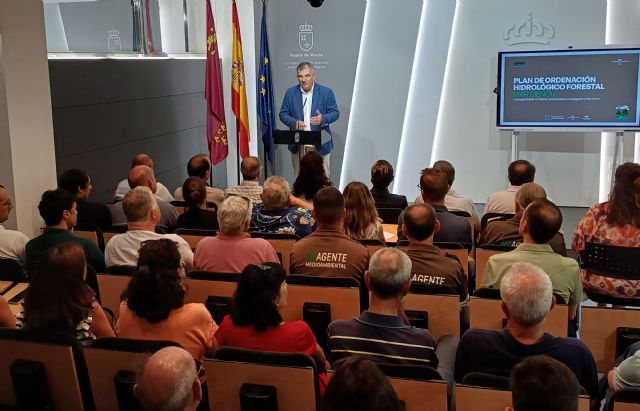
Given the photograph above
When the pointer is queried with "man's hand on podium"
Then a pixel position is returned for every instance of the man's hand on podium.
(317, 119)
(300, 125)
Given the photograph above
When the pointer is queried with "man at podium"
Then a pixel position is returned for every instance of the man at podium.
(309, 106)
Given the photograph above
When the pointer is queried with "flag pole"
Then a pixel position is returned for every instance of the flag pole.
(238, 149)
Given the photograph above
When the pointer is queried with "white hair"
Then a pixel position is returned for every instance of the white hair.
(166, 381)
(527, 291)
(233, 213)
(276, 192)
(389, 271)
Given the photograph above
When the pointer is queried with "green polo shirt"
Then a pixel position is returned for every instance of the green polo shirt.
(563, 271)
(36, 248)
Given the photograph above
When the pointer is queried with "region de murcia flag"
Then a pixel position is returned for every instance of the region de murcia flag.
(216, 123)
(238, 87)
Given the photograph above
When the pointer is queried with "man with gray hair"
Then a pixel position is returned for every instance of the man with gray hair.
(250, 185)
(527, 298)
(309, 106)
(233, 248)
(506, 232)
(280, 212)
(381, 333)
(169, 382)
(143, 214)
(143, 176)
(541, 220)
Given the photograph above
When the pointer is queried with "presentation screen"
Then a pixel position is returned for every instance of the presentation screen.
(569, 89)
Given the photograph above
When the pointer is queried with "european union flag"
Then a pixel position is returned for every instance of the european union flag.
(265, 90)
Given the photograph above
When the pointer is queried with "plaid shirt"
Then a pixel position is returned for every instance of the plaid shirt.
(249, 189)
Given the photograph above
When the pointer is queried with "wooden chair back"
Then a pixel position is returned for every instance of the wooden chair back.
(111, 288)
(444, 312)
(469, 398)
(343, 299)
(598, 330)
(421, 395)
(199, 289)
(482, 256)
(487, 314)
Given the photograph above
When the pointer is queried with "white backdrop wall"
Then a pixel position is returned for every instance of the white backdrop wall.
(568, 164)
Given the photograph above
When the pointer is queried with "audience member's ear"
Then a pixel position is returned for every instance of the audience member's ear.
(404, 230)
(197, 391)
(407, 286)
(518, 207)
(553, 302)
(437, 227)
(505, 309)
(523, 227)
(367, 280)
(136, 391)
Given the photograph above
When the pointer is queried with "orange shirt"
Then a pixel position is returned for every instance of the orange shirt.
(191, 326)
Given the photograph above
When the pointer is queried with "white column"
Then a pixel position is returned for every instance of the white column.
(622, 29)
(27, 157)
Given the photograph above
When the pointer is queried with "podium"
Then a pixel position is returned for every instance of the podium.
(300, 138)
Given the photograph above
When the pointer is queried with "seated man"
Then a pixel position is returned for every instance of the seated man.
(276, 214)
(142, 176)
(429, 266)
(540, 222)
(78, 183)
(453, 200)
(200, 166)
(58, 210)
(453, 228)
(542, 383)
(233, 248)
(12, 242)
(527, 298)
(507, 232)
(328, 251)
(380, 333)
(502, 202)
(169, 382)
(381, 178)
(124, 187)
(141, 208)
(250, 185)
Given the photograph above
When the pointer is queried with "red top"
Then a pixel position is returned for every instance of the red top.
(294, 336)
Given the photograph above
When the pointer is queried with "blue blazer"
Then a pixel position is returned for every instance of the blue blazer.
(323, 100)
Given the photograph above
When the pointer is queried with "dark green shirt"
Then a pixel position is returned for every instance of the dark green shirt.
(36, 248)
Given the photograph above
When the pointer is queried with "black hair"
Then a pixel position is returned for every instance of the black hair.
(53, 204)
(73, 179)
(328, 205)
(420, 220)
(544, 220)
(521, 172)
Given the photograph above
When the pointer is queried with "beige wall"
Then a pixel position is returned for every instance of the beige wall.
(27, 157)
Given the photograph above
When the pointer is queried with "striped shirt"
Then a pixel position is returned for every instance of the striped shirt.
(82, 333)
(382, 338)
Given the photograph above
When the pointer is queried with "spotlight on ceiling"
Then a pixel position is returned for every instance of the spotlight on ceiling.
(315, 3)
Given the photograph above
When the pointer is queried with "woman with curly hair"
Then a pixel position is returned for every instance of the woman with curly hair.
(153, 307)
(312, 176)
(59, 300)
(361, 220)
(616, 222)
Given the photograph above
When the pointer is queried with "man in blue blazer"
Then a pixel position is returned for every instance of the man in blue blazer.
(309, 106)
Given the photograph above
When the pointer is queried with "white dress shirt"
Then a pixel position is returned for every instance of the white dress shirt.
(122, 249)
(12, 245)
(307, 98)
(502, 202)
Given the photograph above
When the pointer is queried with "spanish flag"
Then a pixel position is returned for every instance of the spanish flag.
(238, 87)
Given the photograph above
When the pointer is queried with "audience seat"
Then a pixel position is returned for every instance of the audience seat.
(389, 215)
(106, 357)
(419, 387)
(625, 399)
(599, 328)
(443, 310)
(65, 374)
(193, 237)
(482, 256)
(294, 376)
(11, 270)
(204, 284)
(14, 296)
(112, 284)
(472, 398)
(113, 231)
(613, 262)
(488, 217)
(486, 314)
(91, 232)
(282, 243)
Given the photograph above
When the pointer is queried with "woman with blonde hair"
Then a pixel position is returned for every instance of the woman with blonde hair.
(361, 220)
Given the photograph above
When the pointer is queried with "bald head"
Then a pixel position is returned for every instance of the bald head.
(169, 381)
(142, 160)
(142, 176)
(420, 221)
(250, 168)
(199, 166)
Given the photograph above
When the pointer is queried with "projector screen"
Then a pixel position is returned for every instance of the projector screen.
(570, 89)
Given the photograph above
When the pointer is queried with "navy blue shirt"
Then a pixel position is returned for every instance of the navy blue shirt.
(384, 199)
(497, 352)
(382, 338)
(453, 228)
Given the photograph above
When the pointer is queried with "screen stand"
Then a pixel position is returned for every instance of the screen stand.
(515, 148)
(618, 156)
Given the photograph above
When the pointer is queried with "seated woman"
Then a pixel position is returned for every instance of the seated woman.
(196, 216)
(59, 300)
(153, 307)
(255, 322)
(616, 222)
(361, 220)
(311, 178)
(381, 178)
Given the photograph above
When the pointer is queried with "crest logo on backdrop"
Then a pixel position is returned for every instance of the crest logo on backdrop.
(305, 37)
(529, 31)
